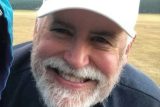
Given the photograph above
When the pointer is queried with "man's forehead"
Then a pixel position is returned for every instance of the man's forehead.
(71, 17)
(81, 15)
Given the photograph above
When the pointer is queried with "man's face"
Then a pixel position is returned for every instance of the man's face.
(77, 57)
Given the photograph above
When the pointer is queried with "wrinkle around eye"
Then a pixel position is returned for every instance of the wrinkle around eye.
(61, 32)
(105, 48)
(104, 45)
(62, 27)
(101, 41)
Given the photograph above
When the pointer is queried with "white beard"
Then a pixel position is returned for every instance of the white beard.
(54, 95)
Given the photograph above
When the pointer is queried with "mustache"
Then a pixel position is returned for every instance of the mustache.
(63, 67)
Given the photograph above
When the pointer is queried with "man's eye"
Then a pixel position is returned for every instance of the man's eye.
(100, 40)
(62, 31)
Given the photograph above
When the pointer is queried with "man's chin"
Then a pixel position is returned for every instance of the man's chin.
(56, 95)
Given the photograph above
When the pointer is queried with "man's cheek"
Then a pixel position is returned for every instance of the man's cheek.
(47, 49)
(108, 65)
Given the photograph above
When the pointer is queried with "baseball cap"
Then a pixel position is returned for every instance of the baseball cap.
(122, 12)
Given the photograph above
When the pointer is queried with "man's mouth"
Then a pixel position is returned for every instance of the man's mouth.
(69, 76)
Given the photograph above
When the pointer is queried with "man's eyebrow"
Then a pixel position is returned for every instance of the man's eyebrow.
(63, 23)
(110, 34)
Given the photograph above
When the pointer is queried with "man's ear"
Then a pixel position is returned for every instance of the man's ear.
(35, 27)
(127, 50)
(129, 46)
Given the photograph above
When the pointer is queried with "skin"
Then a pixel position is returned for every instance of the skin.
(81, 38)
(78, 49)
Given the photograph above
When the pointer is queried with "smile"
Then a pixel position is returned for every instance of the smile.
(69, 80)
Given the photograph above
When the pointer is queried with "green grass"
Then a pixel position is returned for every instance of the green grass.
(145, 53)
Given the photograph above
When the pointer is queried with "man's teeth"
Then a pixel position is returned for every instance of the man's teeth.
(72, 78)
(69, 77)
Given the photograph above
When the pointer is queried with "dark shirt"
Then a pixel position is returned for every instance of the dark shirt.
(133, 90)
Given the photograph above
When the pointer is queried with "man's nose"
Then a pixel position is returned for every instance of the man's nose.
(77, 56)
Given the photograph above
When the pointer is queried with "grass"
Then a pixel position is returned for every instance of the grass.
(145, 53)
(23, 26)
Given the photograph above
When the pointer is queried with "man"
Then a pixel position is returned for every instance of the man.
(79, 58)
(6, 17)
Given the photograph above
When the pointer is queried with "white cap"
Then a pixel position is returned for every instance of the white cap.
(123, 12)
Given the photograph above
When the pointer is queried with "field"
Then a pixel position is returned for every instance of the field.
(145, 53)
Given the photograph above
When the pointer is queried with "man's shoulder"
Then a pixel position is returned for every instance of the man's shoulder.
(21, 53)
(21, 50)
(135, 88)
(133, 78)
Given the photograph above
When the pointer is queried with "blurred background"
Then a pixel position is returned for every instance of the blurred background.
(147, 6)
(145, 53)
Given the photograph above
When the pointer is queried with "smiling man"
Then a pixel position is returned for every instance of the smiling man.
(79, 58)
(69, 61)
